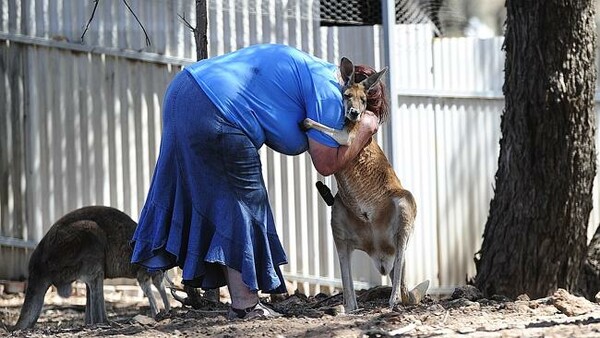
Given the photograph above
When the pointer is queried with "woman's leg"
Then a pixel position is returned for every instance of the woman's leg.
(241, 296)
(244, 302)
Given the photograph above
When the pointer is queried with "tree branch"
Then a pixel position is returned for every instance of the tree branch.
(187, 23)
(90, 20)
(148, 42)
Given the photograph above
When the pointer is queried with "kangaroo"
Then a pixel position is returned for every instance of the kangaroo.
(87, 244)
(371, 211)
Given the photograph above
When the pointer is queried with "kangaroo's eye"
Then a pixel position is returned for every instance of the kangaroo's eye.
(347, 96)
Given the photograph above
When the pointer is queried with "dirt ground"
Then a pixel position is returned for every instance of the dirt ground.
(464, 314)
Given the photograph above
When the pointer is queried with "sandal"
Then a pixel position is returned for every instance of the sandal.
(258, 311)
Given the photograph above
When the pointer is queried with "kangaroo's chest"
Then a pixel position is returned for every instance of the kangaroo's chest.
(365, 193)
(364, 207)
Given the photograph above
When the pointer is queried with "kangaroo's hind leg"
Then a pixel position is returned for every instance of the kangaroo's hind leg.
(145, 282)
(344, 254)
(403, 222)
(95, 311)
(413, 296)
(158, 281)
(398, 276)
(339, 219)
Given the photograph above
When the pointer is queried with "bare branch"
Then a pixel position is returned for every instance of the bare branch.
(200, 30)
(187, 23)
(148, 43)
(90, 20)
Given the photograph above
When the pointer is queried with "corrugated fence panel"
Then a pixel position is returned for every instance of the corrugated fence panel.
(113, 25)
(413, 137)
(468, 77)
(94, 133)
(467, 149)
(415, 145)
(12, 153)
(415, 59)
(469, 65)
(13, 198)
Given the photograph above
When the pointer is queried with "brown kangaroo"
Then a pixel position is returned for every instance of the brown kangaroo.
(87, 244)
(371, 211)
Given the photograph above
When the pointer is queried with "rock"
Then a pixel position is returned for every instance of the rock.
(443, 332)
(402, 330)
(377, 292)
(333, 310)
(500, 298)
(13, 287)
(569, 304)
(466, 330)
(464, 303)
(597, 297)
(436, 308)
(143, 320)
(522, 307)
(321, 296)
(469, 292)
(523, 297)
(292, 300)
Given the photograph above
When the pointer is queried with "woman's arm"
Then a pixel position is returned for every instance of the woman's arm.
(329, 160)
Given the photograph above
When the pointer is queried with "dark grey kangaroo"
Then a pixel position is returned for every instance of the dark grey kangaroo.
(87, 244)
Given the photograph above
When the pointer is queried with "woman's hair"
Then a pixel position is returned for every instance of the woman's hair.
(376, 98)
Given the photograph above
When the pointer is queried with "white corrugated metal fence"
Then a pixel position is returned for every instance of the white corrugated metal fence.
(81, 124)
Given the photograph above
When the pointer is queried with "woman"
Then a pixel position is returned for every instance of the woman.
(207, 209)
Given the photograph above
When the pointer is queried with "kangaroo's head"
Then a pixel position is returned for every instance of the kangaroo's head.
(354, 93)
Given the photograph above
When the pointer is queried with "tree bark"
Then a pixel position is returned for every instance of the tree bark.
(535, 236)
(200, 30)
(589, 278)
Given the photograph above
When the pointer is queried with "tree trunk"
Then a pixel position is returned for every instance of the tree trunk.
(200, 30)
(589, 278)
(535, 237)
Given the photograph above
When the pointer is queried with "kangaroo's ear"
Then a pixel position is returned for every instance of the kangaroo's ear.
(372, 80)
(347, 70)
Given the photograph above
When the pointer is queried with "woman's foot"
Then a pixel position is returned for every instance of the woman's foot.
(258, 311)
(244, 302)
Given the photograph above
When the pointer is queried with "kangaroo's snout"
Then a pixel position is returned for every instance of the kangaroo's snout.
(353, 114)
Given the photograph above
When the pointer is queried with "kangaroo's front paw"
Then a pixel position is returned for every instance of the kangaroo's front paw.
(306, 124)
(303, 126)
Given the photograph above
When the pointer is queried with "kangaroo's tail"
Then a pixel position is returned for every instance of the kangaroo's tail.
(325, 193)
(32, 306)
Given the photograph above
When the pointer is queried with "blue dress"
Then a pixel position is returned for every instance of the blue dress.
(207, 205)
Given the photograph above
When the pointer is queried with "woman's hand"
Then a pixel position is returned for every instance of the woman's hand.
(368, 124)
(366, 127)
